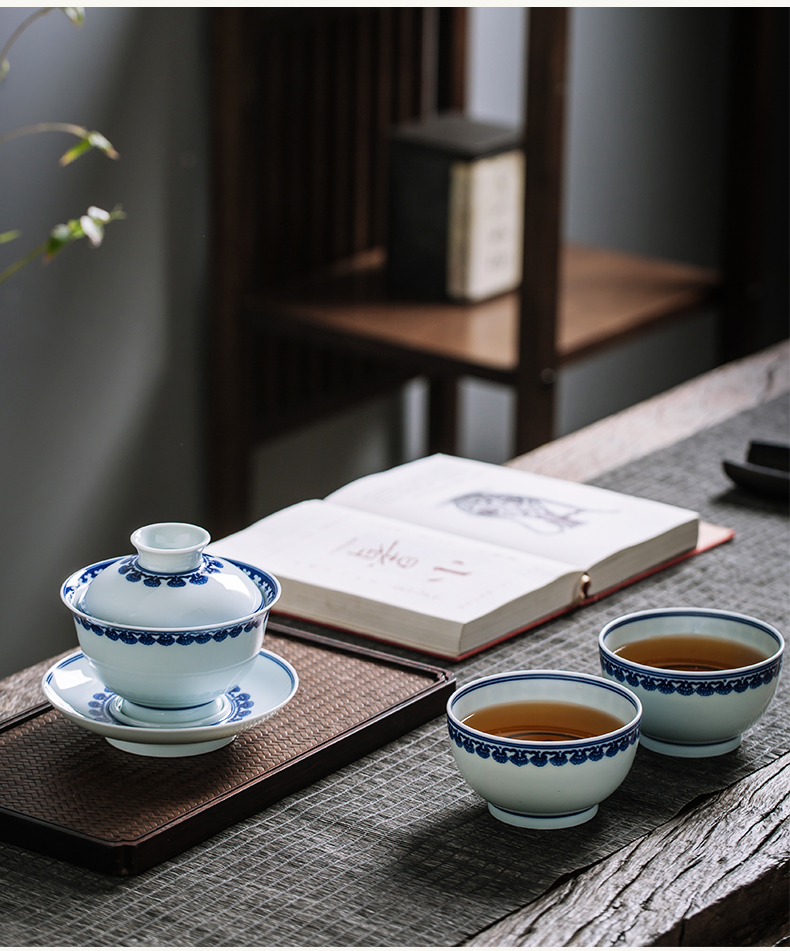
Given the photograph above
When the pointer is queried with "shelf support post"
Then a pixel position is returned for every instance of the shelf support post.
(228, 428)
(547, 42)
(443, 415)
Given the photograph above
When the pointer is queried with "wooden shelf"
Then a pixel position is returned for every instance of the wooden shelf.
(605, 297)
(307, 184)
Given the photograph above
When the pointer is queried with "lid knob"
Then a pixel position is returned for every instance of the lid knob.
(170, 547)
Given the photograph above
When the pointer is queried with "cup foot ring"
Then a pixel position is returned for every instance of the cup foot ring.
(134, 714)
(170, 750)
(542, 822)
(690, 750)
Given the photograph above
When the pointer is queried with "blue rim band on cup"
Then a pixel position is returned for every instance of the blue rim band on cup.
(544, 784)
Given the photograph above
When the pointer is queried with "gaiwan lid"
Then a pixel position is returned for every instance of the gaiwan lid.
(171, 583)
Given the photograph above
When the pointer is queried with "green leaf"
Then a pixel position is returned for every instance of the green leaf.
(7, 236)
(99, 214)
(59, 237)
(73, 153)
(93, 140)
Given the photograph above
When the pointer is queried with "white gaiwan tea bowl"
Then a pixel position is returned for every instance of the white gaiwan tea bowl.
(542, 784)
(171, 629)
(694, 713)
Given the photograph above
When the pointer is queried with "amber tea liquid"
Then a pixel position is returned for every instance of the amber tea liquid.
(545, 720)
(691, 652)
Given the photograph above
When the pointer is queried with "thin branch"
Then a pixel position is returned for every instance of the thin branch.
(15, 36)
(31, 255)
(77, 130)
(88, 140)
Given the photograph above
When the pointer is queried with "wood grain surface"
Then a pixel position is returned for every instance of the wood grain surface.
(604, 296)
(706, 878)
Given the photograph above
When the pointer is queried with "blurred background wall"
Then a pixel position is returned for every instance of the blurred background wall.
(100, 351)
(101, 359)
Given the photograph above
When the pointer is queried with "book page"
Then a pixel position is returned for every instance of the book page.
(566, 521)
(372, 558)
(495, 223)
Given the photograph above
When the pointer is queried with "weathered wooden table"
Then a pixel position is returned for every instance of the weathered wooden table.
(695, 880)
(731, 850)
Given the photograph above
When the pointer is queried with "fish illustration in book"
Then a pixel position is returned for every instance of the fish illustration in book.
(543, 516)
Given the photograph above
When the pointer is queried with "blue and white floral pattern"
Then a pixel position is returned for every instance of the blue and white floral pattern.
(705, 686)
(539, 754)
(260, 578)
(131, 570)
(99, 706)
(165, 639)
(73, 592)
(241, 705)
(74, 584)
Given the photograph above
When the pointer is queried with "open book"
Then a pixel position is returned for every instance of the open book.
(447, 556)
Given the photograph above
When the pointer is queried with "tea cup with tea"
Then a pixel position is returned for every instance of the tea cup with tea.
(704, 676)
(543, 747)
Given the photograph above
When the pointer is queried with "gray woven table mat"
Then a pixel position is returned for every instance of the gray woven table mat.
(395, 850)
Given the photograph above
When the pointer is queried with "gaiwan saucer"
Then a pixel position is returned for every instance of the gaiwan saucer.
(73, 688)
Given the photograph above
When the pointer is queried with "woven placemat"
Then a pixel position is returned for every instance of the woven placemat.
(395, 850)
(67, 792)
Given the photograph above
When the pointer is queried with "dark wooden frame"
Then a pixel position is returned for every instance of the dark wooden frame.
(756, 233)
(545, 98)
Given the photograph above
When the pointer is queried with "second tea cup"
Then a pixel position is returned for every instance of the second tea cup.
(694, 712)
(556, 780)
